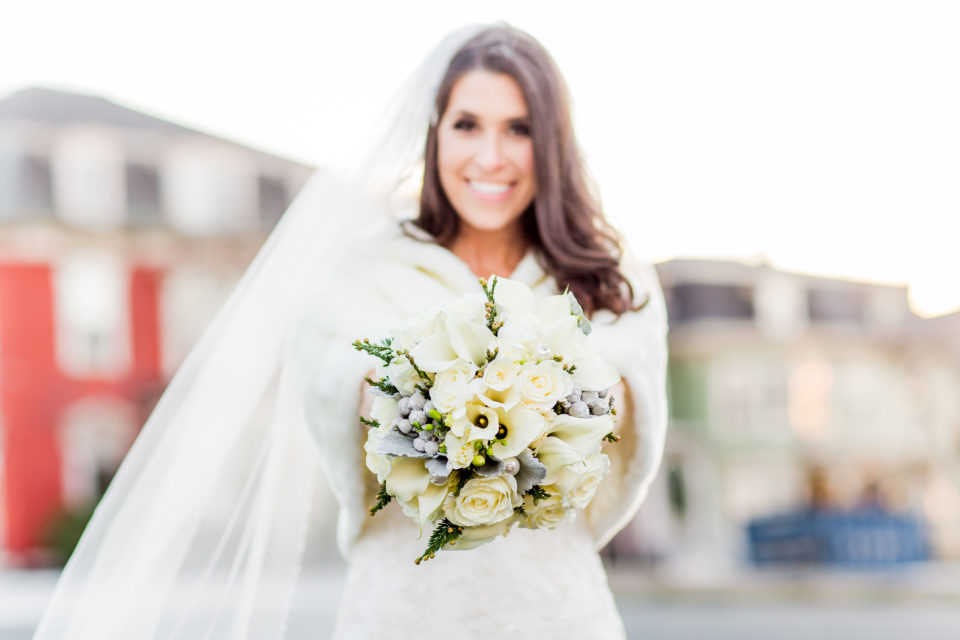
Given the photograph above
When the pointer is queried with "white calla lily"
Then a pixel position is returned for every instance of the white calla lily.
(560, 335)
(583, 435)
(483, 421)
(555, 455)
(470, 340)
(408, 478)
(506, 399)
(513, 298)
(522, 426)
(434, 353)
(430, 500)
(423, 324)
(593, 374)
(554, 309)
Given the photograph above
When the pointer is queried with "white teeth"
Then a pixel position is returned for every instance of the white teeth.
(491, 188)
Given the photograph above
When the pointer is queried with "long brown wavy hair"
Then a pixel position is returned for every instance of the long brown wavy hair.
(564, 224)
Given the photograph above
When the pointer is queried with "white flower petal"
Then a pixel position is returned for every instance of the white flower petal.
(408, 478)
(594, 374)
(583, 435)
(430, 500)
(513, 298)
(434, 353)
(523, 427)
(469, 340)
(554, 309)
(555, 454)
(560, 335)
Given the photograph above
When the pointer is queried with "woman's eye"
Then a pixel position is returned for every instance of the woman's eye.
(520, 129)
(464, 125)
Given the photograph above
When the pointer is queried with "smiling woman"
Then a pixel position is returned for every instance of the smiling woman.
(504, 193)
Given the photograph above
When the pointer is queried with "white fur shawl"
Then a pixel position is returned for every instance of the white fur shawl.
(390, 276)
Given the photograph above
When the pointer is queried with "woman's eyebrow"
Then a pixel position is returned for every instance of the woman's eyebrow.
(463, 113)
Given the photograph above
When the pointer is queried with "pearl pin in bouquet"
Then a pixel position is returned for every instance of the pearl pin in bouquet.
(490, 412)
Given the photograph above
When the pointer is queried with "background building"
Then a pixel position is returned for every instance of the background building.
(120, 235)
(788, 391)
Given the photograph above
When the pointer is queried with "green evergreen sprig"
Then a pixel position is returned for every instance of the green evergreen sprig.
(538, 493)
(383, 499)
(383, 384)
(445, 533)
(369, 423)
(384, 350)
(460, 482)
(490, 306)
(425, 377)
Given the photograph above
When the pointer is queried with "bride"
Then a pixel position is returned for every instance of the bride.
(201, 534)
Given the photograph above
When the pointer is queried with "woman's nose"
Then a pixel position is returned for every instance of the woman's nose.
(490, 155)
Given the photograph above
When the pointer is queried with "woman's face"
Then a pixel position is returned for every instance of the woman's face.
(484, 151)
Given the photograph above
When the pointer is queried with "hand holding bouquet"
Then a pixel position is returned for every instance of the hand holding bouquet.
(491, 412)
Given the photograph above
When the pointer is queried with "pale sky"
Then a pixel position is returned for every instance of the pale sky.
(820, 135)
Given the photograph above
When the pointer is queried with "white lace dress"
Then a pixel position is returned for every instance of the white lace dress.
(529, 584)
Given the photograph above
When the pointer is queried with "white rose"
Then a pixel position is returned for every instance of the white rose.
(376, 462)
(500, 374)
(579, 482)
(543, 385)
(460, 451)
(546, 513)
(483, 501)
(451, 388)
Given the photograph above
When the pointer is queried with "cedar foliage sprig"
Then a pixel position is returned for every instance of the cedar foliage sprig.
(538, 493)
(490, 307)
(427, 382)
(460, 482)
(445, 533)
(384, 350)
(383, 384)
(383, 499)
(369, 423)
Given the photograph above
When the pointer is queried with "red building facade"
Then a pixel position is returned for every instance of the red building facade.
(35, 393)
(120, 235)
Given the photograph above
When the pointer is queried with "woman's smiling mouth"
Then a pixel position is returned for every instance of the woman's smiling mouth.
(490, 191)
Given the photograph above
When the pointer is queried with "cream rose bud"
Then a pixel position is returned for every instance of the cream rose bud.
(543, 385)
(547, 513)
(579, 482)
(483, 501)
(376, 462)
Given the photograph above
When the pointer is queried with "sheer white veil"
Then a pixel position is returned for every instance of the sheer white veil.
(201, 533)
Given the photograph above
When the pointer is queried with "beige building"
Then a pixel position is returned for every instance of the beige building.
(787, 390)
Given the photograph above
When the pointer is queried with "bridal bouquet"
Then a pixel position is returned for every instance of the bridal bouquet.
(490, 412)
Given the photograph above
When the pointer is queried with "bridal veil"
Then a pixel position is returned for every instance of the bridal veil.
(202, 531)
